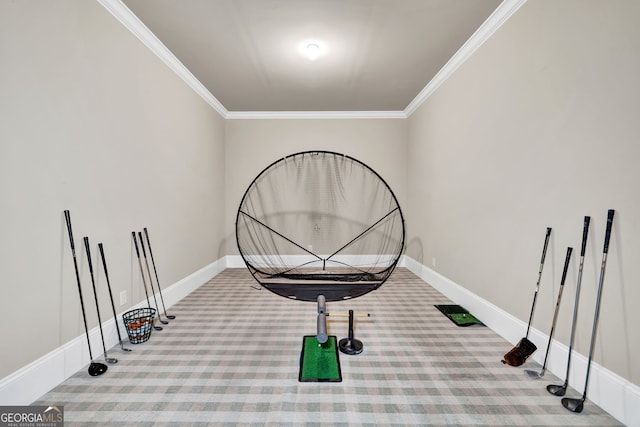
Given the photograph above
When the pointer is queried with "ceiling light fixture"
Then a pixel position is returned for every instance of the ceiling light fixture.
(312, 51)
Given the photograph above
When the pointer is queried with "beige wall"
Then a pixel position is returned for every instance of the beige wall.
(539, 128)
(95, 123)
(252, 145)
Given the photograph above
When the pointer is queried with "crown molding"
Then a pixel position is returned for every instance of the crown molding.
(127, 18)
(477, 39)
(274, 115)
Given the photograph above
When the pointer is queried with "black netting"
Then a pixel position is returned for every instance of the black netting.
(320, 223)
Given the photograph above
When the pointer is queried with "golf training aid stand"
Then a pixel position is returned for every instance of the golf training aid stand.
(320, 360)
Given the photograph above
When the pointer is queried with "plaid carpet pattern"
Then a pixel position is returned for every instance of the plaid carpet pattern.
(231, 357)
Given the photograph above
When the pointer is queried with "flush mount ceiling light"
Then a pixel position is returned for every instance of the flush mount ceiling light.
(311, 50)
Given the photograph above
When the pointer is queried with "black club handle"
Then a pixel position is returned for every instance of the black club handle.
(607, 235)
(585, 232)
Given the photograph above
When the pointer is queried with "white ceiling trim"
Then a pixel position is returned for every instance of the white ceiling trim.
(127, 18)
(253, 115)
(477, 39)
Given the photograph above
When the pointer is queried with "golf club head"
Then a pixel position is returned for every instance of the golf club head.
(96, 369)
(534, 375)
(164, 322)
(157, 328)
(519, 354)
(123, 348)
(557, 390)
(574, 405)
(111, 360)
(170, 316)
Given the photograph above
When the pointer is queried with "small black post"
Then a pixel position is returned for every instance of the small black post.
(350, 345)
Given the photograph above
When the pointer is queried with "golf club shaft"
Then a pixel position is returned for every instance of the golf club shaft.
(106, 276)
(555, 313)
(146, 261)
(585, 234)
(535, 295)
(95, 294)
(67, 216)
(146, 234)
(605, 252)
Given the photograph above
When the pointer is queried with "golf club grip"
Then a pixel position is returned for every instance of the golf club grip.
(146, 234)
(321, 334)
(607, 235)
(86, 248)
(566, 265)
(544, 250)
(144, 252)
(67, 217)
(104, 261)
(585, 232)
(135, 243)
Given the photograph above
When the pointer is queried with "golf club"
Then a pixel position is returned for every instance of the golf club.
(146, 261)
(560, 390)
(113, 307)
(146, 233)
(144, 282)
(95, 297)
(535, 374)
(525, 348)
(95, 368)
(576, 404)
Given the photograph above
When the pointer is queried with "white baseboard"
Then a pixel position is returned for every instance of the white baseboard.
(30, 382)
(614, 394)
(235, 261)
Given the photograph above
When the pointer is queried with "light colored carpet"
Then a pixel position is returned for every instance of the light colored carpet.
(231, 357)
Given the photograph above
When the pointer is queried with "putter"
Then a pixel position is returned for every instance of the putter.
(95, 368)
(144, 281)
(525, 348)
(146, 261)
(560, 390)
(146, 234)
(535, 374)
(95, 297)
(113, 307)
(576, 404)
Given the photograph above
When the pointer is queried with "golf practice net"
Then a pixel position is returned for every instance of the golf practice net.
(319, 222)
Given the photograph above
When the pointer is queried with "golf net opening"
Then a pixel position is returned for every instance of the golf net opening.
(320, 222)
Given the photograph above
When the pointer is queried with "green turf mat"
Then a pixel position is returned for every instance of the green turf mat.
(459, 315)
(319, 362)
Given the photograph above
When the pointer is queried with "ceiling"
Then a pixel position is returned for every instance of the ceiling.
(377, 55)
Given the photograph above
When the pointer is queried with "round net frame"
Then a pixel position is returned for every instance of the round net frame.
(319, 222)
